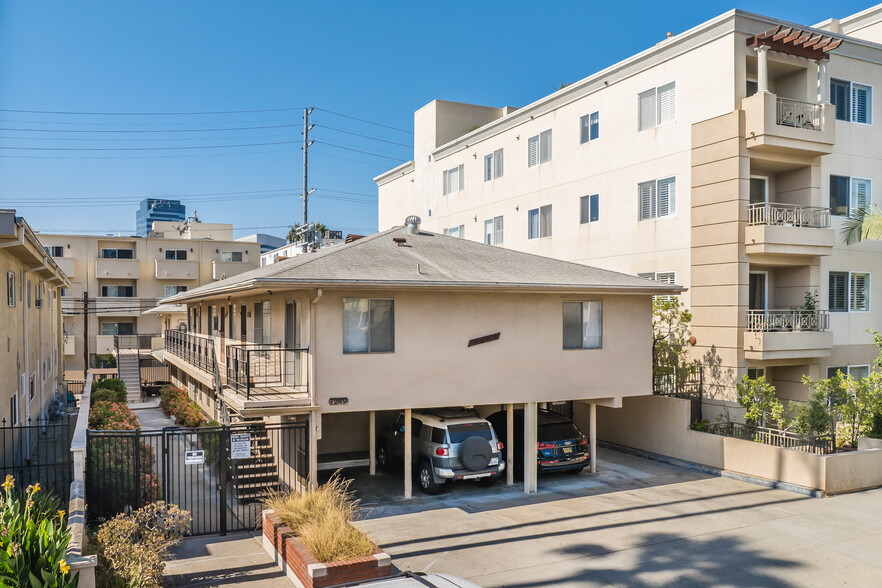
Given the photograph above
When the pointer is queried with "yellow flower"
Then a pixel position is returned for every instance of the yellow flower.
(9, 483)
(64, 567)
(37, 487)
(61, 514)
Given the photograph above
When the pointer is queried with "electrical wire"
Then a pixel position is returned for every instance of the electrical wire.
(17, 129)
(147, 148)
(330, 128)
(373, 151)
(74, 113)
(373, 164)
(142, 156)
(370, 122)
(355, 150)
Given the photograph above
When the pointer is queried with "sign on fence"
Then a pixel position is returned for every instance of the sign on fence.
(240, 445)
(194, 457)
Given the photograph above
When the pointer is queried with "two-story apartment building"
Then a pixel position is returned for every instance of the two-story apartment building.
(723, 158)
(350, 336)
(31, 351)
(115, 280)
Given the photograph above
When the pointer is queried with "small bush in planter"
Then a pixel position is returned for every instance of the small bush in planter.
(107, 395)
(110, 384)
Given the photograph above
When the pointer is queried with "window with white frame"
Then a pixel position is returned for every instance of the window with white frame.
(588, 209)
(583, 325)
(493, 229)
(663, 277)
(118, 291)
(10, 288)
(54, 250)
(13, 408)
(853, 101)
(453, 180)
(176, 254)
(32, 390)
(116, 328)
(493, 165)
(368, 325)
(855, 371)
(849, 292)
(754, 373)
(658, 198)
(539, 222)
(172, 290)
(590, 127)
(656, 106)
(115, 253)
(848, 194)
(231, 256)
(458, 232)
(539, 148)
(38, 294)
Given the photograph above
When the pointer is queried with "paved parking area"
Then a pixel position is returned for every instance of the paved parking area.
(234, 560)
(636, 522)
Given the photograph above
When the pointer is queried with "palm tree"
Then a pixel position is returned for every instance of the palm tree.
(863, 224)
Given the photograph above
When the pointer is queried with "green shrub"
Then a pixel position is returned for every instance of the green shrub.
(701, 425)
(110, 384)
(107, 394)
(176, 402)
(875, 430)
(112, 416)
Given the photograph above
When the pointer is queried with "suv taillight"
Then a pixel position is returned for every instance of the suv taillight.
(547, 446)
(584, 441)
(442, 451)
(499, 446)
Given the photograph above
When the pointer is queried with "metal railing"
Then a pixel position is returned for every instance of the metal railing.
(787, 320)
(773, 437)
(269, 367)
(774, 213)
(136, 341)
(197, 350)
(803, 115)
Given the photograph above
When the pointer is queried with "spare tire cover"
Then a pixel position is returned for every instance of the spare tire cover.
(475, 453)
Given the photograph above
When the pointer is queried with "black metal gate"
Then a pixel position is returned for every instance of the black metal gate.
(219, 474)
(38, 451)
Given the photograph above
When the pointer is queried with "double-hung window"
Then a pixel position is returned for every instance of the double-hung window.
(458, 232)
(118, 291)
(493, 165)
(539, 222)
(172, 290)
(855, 371)
(368, 325)
(493, 229)
(231, 256)
(539, 148)
(849, 292)
(117, 328)
(656, 106)
(590, 126)
(853, 101)
(658, 198)
(583, 325)
(176, 254)
(10, 288)
(588, 209)
(55, 250)
(118, 253)
(453, 180)
(848, 195)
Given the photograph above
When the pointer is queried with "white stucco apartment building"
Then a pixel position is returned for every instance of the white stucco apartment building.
(723, 158)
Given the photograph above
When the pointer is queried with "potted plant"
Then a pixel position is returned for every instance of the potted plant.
(805, 312)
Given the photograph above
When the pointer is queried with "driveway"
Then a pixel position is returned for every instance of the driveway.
(636, 522)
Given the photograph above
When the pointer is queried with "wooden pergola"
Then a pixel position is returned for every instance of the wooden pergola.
(793, 41)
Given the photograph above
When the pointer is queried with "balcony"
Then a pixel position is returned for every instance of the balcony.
(118, 269)
(266, 377)
(227, 269)
(787, 334)
(194, 349)
(177, 270)
(784, 125)
(776, 229)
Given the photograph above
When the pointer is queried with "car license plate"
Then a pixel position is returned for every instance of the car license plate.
(473, 476)
(567, 449)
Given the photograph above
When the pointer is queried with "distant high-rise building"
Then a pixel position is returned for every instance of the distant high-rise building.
(157, 209)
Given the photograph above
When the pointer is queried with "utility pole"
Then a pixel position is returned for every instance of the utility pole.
(85, 333)
(306, 143)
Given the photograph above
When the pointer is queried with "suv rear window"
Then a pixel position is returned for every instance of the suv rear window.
(438, 435)
(459, 433)
(558, 431)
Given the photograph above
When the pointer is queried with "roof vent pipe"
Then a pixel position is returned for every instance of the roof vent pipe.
(412, 225)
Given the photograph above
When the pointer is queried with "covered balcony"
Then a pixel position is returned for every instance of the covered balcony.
(780, 229)
(779, 334)
(117, 269)
(261, 377)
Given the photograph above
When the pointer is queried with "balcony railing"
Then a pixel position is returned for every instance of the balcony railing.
(774, 437)
(268, 367)
(787, 320)
(138, 341)
(774, 213)
(803, 115)
(197, 350)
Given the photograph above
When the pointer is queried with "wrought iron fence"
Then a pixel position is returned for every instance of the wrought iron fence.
(773, 437)
(137, 341)
(74, 389)
(153, 370)
(681, 384)
(772, 320)
(38, 450)
(774, 213)
(197, 350)
(803, 115)
(265, 366)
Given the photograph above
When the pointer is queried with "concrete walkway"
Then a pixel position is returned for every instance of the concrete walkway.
(234, 560)
(150, 415)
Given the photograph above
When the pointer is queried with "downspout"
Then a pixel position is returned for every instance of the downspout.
(312, 343)
(314, 415)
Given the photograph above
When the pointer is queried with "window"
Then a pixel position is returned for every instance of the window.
(118, 254)
(849, 292)
(438, 435)
(755, 373)
(493, 229)
(539, 148)
(117, 328)
(28, 292)
(847, 195)
(855, 371)
(32, 390)
(55, 250)
(262, 322)
(368, 325)
(176, 254)
(590, 124)
(118, 291)
(853, 101)
(588, 207)
(458, 232)
(493, 165)
(10, 288)
(38, 295)
(583, 325)
(663, 277)
(13, 408)
(657, 106)
(454, 180)
(658, 198)
(539, 220)
(231, 256)
(172, 290)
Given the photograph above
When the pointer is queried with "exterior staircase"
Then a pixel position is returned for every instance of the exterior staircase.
(255, 476)
(129, 371)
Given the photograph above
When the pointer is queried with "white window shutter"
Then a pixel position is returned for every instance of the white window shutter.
(497, 163)
(646, 110)
(859, 294)
(497, 230)
(445, 184)
(488, 168)
(666, 197)
(460, 174)
(861, 103)
(533, 151)
(646, 192)
(545, 146)
(667, 103)
(860, 194)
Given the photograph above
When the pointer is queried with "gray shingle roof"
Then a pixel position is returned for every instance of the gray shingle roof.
(427, 260)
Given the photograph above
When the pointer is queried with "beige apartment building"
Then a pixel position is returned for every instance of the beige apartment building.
(723, 159)
(125, 277)
(31, 353)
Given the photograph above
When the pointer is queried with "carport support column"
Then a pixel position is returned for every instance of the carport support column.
(531, 442)
(509, 444)
(372, 441)
(592, 435)
(314, 417)
(408, 456)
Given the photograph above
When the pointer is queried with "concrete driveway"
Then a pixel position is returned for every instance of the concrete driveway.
(636, 522)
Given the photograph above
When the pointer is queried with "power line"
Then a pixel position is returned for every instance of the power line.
(184, 196)
(147, 148)
(359, 151)
(127, 139)
(141, 156)
(365, 136)
(370, 122)
(322, 153)
(373, 151)
(344, 192)
(75, 113)
(16, 129)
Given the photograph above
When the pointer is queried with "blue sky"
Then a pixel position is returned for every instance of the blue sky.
(375, 61)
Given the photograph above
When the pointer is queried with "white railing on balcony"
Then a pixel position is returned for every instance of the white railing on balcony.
(774, 213)
(772, 320)
(803, 115)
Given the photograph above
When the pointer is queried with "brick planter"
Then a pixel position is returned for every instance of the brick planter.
(305, 571)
